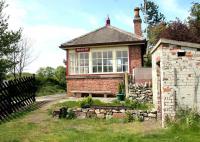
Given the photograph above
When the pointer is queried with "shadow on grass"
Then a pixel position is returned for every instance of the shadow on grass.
(24, 111)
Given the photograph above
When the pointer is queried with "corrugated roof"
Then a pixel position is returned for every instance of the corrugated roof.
(106, 34)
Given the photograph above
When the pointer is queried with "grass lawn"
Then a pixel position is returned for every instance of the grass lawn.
(38, 126)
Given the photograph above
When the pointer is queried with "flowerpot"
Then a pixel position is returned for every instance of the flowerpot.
(120, 97)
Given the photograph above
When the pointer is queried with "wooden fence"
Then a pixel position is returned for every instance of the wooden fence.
(16, 94)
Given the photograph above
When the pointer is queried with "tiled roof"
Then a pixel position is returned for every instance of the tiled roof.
(106, 34)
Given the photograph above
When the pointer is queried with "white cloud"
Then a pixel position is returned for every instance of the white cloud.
(173, 9)
(45, 39)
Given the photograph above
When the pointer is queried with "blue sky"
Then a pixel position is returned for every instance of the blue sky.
(48, 23)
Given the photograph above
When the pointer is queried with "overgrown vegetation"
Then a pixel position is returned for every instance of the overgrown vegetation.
(186, 118)
(51, 81)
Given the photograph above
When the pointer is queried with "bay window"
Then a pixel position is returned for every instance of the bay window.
(98, 61)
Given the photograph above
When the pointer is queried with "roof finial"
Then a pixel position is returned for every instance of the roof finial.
(108, 21)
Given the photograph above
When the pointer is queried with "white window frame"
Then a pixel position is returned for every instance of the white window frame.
(101, 49)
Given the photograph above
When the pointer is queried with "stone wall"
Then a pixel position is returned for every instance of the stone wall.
(143, 115)
(141, 92)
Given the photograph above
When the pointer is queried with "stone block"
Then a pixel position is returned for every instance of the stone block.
(97, 111)
(100, 115)
(80, 115)
(119, 115)
(91, 114)
(152, 115)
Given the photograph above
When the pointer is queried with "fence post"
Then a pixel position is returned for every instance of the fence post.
(126, 85)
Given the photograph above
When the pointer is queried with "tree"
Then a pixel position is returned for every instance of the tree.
(154, 32)
(151, 12)
(194, 22)
(21, 57)
(153, 18)
(8, 41)
(46, 73)
(60, 75)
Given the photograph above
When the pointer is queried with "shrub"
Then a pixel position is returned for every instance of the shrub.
(87, 102)
(184, 118)
(121, 88)
(129, 117)
(136, 105)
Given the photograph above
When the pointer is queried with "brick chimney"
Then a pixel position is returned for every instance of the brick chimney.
(137, 22)
(108, 22)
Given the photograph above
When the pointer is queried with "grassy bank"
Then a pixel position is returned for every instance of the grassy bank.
(90, 130)
(39, 126)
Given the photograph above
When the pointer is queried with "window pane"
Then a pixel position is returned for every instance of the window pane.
(86, 62)
(104, 68)
(81, 62)
(94, 69)
(110, 69)
(94, 62)
(125, 68)
(110, 62)
(86, 70)
(104, 61)
(99, 68)
(99, 55)
(94, 55)
(86, 55)
(81, 69)
(119, 61)
(81, 56)
(104, 54)
(119, 68)
(99, 61)
(118, 54)
(125, 54)
(110, 54)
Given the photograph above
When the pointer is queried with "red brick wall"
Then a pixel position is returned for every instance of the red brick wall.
(93, 84)
(135, 57)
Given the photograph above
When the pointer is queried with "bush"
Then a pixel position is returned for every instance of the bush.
(136, 105)
(87, 102)
(184, 118)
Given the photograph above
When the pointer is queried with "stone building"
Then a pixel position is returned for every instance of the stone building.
(96, 62)
(176, 76)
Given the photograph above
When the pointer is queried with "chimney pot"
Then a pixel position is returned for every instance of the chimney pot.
(108, 21)
(136, 12)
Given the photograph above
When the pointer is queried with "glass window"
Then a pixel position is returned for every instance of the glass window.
(79, 63)
(122, 61)
(83, 63)
(102, 62)
(72, 65)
